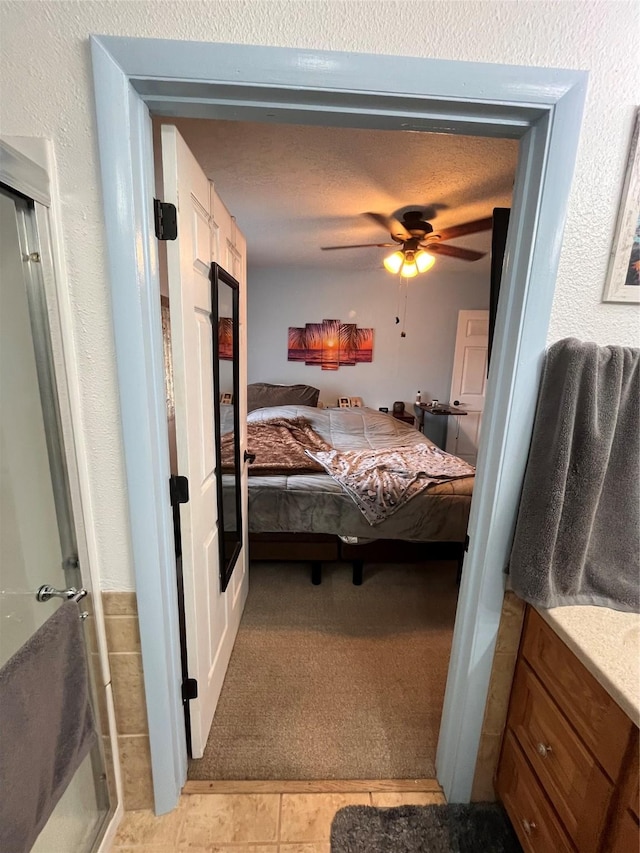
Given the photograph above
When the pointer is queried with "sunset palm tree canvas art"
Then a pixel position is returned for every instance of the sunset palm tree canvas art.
(297, 343)
(315, 343)
(330, 344)
(225, 338)
(364, 350)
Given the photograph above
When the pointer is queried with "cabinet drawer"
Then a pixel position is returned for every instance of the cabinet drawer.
(575, 784)
(601, 724)
(531, 814)
(626, 835)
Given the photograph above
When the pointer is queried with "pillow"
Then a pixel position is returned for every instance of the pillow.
(261, 395)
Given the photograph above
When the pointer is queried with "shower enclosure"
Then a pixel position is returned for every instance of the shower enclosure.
(40, 530)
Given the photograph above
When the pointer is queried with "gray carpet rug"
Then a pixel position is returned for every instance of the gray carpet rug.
(335, 681)
(475, 828)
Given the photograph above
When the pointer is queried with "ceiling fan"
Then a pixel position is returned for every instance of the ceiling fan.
(420, 242)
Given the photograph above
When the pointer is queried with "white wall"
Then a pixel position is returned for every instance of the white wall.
(47, 91)
(290, 296)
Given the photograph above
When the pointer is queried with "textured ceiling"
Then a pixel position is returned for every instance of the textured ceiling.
(294, 189)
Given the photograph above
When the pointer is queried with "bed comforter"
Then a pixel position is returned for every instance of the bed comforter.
(315, 503)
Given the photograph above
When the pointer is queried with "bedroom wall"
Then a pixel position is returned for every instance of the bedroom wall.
(598, 36)
(293, 296)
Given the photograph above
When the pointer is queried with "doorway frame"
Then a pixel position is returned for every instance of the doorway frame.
(541, 107)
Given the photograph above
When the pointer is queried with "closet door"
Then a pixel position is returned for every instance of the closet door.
(211, 616)
(468, 384)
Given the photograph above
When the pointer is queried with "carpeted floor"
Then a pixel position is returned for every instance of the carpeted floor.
(335, 681)
(475, 828)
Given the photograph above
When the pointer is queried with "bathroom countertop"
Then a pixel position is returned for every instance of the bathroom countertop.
(608, 644)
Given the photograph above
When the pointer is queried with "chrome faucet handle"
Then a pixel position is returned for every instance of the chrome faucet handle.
(47, 592)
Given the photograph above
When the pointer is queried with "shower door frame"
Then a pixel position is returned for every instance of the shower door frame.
(50, 311)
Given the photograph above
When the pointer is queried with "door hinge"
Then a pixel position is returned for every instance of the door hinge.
(178, 489)
(466, 542)
(166, 220)
(189, 689)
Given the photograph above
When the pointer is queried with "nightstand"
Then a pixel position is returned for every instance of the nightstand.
(434, 421)
(406, 417)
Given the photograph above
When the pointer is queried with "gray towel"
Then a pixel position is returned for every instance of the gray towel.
(46, 725)
(577, 537)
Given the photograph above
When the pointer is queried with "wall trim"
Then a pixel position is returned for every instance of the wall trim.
(128, 190)
(540, 106)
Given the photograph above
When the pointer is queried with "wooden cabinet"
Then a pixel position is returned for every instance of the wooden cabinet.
(600, 723)
(568, 770)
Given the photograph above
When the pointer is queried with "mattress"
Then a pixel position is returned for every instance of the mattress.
(315, 503)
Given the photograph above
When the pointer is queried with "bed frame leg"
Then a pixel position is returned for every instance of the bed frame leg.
(358, 571)
(316, 573)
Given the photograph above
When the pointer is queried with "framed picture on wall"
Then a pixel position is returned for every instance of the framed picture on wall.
(623, 278)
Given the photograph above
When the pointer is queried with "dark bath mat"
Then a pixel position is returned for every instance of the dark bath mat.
(475, 828)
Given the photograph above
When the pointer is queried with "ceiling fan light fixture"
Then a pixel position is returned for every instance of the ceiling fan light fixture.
(424, 261)
(409, 267)
(393, 263)
(408, 262)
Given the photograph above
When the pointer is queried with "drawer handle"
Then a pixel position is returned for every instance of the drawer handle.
(528, 826)
(543, 750)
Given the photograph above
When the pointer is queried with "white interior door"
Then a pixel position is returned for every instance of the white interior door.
(211, 616)
(469, 384)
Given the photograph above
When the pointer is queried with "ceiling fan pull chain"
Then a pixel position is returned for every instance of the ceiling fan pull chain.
(403, 333)
(399, 297)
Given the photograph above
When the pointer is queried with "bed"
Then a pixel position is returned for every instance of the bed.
(291, 515)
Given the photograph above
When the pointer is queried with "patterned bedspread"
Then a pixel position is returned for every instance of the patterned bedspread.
(279, 445)
(380, 482)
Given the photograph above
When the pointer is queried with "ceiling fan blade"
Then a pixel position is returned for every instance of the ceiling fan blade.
(392, 225)
(359, 246)
(454, 252)
(467, 228)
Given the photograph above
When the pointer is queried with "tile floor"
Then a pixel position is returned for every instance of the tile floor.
(249, 823)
